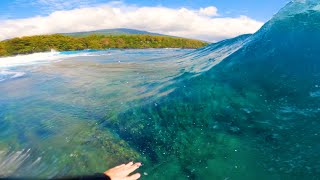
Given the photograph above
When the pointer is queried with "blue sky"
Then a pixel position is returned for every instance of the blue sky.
(259, 9)
(209, 20)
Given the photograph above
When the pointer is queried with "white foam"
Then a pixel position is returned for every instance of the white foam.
(30, 59)
(8, 65)
(39, 58)
(7, 74)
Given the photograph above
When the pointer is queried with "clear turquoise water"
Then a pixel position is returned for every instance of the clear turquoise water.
(51, 114)
(244, 108)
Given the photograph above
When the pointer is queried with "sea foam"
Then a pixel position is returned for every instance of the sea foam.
(38, 58)
(9, 65)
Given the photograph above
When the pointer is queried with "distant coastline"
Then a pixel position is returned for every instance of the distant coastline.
(59, 42)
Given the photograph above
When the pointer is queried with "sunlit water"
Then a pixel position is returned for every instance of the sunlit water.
(51, 109)
(245, 108)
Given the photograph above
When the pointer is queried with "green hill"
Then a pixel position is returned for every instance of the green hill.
(117, 31)
(44, 43)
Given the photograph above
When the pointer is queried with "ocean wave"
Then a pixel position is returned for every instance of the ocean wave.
(40, 58)
(22, 60)
(8, 65)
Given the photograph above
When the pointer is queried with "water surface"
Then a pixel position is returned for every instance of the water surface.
(244, 108)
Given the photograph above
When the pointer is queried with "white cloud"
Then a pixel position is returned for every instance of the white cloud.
(177, 22)
(209, 11)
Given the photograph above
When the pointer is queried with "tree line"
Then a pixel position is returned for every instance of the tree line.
(44, 43)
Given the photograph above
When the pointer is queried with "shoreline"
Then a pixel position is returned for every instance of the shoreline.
(94, 50)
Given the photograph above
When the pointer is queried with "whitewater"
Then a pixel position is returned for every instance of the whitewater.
(9, 63)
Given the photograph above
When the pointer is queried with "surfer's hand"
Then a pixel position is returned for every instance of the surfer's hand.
(122, 172)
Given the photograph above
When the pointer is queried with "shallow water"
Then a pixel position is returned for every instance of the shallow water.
(52, 113)
(244, 108)
(93, 110)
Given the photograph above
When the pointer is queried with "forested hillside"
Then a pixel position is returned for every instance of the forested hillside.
(43, 43)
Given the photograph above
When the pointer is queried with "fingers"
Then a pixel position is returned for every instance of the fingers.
(129, 164)
(120, 166)
(134, 177)
(133, 167)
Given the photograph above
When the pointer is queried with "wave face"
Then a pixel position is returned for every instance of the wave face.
(244, 108)
(256, 114)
